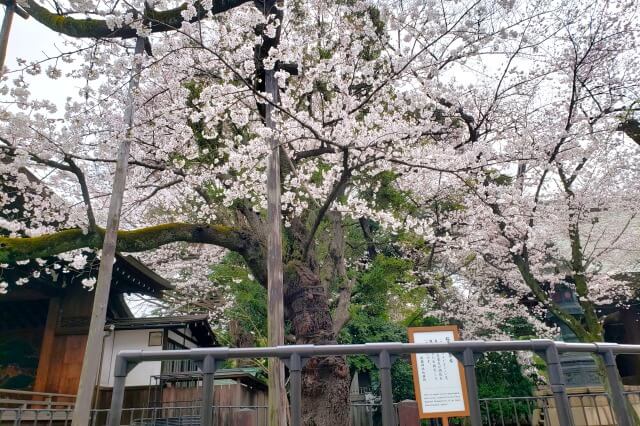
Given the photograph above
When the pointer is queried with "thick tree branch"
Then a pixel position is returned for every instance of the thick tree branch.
(313, 153)
(542, 297)
(468, 119)
(16, 249)
(159, 21)
(341, 315)
(84, 188)
(335, 192)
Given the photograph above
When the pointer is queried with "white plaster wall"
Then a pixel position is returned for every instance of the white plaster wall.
(119, 340)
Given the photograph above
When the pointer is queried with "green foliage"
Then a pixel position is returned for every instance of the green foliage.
(317, 177)
(519, 328)
(372, 291)
(324, 53)
(367, 329)
(387, 196)
(500, 179)
(371, 322)
(500, 375)
(250, 306)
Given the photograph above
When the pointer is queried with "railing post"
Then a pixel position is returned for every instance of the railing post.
(617, 392)
(383, 362)
(119, 378)
(469, 363)
(557, 385)
(295, 380)
(208, 372)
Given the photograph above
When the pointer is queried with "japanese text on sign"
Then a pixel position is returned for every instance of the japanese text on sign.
(440, 388)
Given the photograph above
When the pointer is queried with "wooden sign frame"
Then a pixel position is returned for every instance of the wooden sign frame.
(416, 377)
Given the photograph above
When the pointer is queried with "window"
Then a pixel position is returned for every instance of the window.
(155, 338)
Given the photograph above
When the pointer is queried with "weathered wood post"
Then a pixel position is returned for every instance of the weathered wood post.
(10, 8)
(90, 363)
(275, 313)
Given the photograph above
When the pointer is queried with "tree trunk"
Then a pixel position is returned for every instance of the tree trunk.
(325, 380)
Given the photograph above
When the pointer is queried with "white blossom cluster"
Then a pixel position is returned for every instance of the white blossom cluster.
(505, 114)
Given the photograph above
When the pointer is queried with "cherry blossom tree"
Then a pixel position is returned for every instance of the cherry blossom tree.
(557, 115)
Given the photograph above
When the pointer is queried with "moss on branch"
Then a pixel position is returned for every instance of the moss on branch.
(159, 21)
(15, 249)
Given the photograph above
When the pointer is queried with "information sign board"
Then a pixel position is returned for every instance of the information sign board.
(440, 386)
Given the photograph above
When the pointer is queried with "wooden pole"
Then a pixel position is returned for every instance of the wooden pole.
(90, 364)
(275, 313)
(4, 33)
(10, 8)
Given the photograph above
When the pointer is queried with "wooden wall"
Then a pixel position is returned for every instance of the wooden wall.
(176, 402)
(66, 364)
(64, 342)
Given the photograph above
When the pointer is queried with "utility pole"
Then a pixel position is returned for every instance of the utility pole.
(10, 8)
(275, 314)
(91, 362)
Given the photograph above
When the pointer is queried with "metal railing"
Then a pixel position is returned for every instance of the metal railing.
(35, 416)
(588, 409)
(383, 354)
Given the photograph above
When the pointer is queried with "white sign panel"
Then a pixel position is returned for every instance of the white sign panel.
(438, 377)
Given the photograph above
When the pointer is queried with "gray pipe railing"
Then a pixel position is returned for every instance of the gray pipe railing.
(383, 354)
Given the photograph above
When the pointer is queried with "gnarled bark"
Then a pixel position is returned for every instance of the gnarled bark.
(325, 380)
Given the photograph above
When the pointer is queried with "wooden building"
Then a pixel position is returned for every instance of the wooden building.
(43, 332)
(179, 332)
(44, 324)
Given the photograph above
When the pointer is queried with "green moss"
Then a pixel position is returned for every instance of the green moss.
(223, 229)
(325, 53)
(14, 249)
(68, 25)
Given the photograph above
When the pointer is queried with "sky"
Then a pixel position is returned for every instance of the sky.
(30, 40)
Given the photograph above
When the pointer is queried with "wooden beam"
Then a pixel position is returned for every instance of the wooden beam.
(46, 349)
